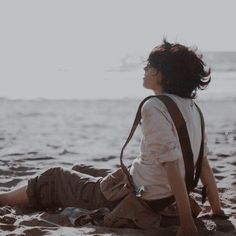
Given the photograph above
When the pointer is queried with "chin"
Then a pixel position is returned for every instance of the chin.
(146, 86)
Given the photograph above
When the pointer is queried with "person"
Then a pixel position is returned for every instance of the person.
(158, 171)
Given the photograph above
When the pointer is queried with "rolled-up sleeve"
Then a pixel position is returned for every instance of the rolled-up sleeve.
(159, 135)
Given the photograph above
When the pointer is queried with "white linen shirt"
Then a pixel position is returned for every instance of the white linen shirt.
(160, 143)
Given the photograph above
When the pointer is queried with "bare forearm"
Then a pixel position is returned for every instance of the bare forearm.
(180, 192)
(208, 180)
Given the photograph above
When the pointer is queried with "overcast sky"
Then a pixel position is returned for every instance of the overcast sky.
(80, 49)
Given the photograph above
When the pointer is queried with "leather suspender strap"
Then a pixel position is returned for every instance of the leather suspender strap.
(200, 156)
(184, 140)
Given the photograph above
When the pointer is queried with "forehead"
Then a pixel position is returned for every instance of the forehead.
(154, 53)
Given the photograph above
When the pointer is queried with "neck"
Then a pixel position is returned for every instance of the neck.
(158, 92)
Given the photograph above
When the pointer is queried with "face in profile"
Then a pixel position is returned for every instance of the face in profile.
(151, 79)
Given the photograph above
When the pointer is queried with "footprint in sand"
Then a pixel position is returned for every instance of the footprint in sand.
(10, 183)
(222, 155)
(104, 158)
(215, 170)
(219, 177)
(7, 220)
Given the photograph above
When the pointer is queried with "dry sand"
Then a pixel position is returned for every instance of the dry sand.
(16, 167)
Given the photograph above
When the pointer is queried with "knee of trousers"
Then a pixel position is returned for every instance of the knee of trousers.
(47, 187)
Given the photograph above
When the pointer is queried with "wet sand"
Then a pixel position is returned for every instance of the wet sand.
(32, 141)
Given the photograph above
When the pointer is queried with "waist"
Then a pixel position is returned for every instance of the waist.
(160, 204)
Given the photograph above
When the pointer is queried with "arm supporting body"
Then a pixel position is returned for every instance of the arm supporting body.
(208, 180)
(180, 192)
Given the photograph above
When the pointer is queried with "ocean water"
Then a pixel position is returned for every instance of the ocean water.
(223, 84)
(49, 133)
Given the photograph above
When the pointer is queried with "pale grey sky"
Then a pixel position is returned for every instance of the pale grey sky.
(74, 49)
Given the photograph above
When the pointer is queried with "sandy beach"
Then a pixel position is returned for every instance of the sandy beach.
(36, 135)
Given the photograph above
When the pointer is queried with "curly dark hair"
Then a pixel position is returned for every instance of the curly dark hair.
(183, 70)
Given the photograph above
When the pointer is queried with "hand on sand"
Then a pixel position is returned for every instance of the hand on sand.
(220, 214)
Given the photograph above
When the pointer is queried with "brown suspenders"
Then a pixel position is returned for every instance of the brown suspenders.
(180, 124)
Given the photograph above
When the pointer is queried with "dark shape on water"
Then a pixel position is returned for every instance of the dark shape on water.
(215, 170)
(15, 154)
(10, 183)
(64, 152)
(20, 168)
(40, 158)
(105, 158)
(53, 146)
(35, 159)
(222, 155)
(219, 177)
(65, 163)
(217, 141)
(32, 153)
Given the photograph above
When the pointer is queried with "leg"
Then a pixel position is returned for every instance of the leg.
(58, 187)
(17, 196)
